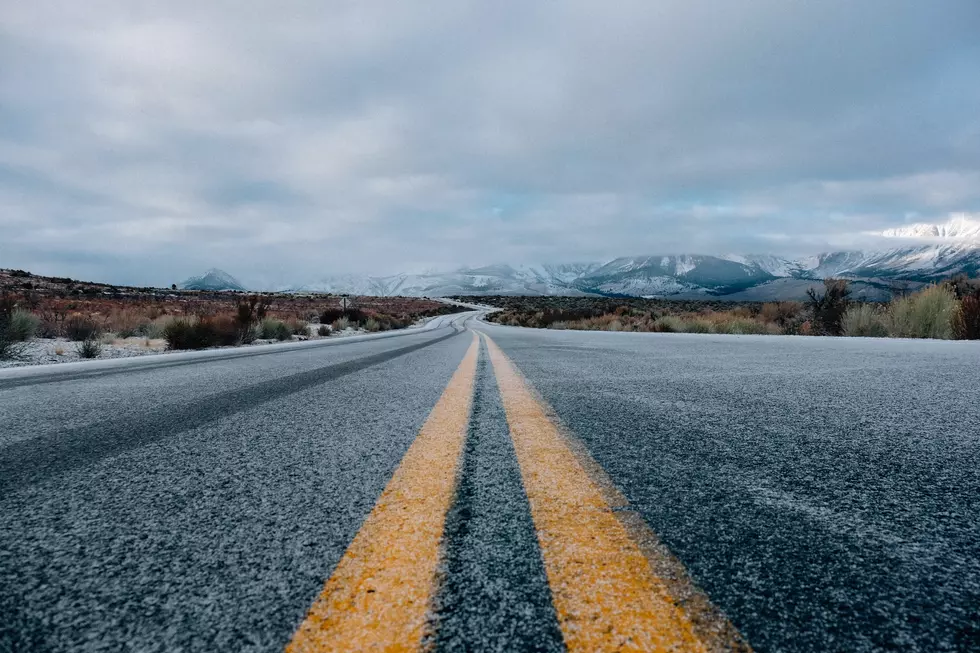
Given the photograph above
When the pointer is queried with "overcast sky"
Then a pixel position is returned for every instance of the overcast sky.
(142, 141)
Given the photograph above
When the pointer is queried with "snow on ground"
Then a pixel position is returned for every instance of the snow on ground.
(46, 351)
(49, 351)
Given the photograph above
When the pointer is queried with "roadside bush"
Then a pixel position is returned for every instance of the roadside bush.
(298, 327)
(963, 287)
(89, 348)
(967, 321)
(781, 313)
(22, 325)
(389, 322)
(372, 325)
(218, 331)
(340, 324)
(126, 323)
(80, 328)
(180, 334)
(357, 315)
(155, 328)
(929, 313)
(742, 326)
(273, 329)
(698, 326)
(9, 348)
(323, 330)
(864, 320)
(201, 333)
(828, 309)
(245, 317)
(331, 315)
(668, 324)
(247, 335)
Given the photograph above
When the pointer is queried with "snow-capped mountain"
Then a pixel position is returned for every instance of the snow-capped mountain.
(914, 255)
(489, 280)
(672, 275)
(960, 227)
(213, 279)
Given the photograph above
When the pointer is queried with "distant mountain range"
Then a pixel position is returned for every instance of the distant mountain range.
(930, 252)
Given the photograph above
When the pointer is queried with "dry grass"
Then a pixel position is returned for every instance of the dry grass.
(775, 318)
(81, 311)
(947, 310)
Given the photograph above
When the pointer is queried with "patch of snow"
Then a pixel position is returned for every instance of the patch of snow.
(685, 264)
(50, 351)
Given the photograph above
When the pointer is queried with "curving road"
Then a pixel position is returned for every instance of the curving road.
(528, 490)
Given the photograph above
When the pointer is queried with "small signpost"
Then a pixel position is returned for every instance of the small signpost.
(344, 303)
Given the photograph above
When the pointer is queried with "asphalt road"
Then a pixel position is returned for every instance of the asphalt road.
(822, 494)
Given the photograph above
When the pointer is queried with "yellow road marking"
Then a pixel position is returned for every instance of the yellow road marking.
(605, 593)
(378, 595)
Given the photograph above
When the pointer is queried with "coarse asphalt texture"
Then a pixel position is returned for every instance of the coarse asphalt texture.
(822, 492)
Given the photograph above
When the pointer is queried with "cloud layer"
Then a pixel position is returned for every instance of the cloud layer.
(141, 141)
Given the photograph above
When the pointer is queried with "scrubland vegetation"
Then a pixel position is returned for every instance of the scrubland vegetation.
(96, 315)
(949, 310)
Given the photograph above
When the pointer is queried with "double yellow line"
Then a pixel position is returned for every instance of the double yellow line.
(600, 568)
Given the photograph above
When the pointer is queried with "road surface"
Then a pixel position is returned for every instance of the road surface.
(518, 490)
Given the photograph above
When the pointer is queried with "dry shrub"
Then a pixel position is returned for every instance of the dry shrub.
(89, 348)
(780, 313)
(220, 330)
(246, 314)
(127, 322)
(52, 324)
(698, 325)
(743, 326)
(202, 332)
(9, 348)
(80, 327)
(668, 324)
(828, 309)
(156, 327)
(273, 329)
(742, 313)
(866, 321)
(298, 327)
(331, 315)
(22, 325)
(929, 313)
(966, 324)
(179, 334)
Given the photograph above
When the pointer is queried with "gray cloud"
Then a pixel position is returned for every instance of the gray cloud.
(140, 141)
